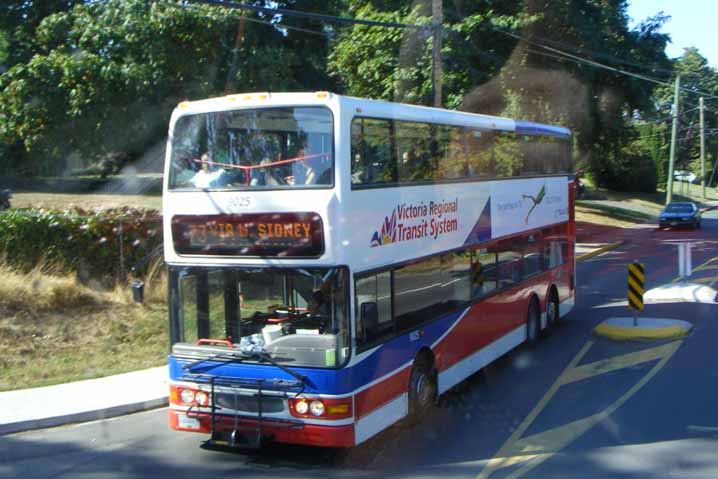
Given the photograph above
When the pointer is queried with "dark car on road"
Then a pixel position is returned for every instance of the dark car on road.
(680, 214)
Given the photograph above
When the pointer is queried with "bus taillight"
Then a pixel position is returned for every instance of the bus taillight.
(321, 408)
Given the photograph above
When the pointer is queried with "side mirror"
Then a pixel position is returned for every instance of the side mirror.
(368, 319)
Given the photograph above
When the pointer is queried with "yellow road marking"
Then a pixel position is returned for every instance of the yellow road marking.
(535, 449)
(709, 279)
(705, 268)
(503, 455)
(617, 362)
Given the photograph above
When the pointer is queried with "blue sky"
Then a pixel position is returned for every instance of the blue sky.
(693, 23)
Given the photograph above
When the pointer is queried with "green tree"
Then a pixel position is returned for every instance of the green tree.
(107, 74)
(696, 76)
(396, 64)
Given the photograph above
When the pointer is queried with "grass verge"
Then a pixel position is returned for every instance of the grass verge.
(609, 215)
(55, 330)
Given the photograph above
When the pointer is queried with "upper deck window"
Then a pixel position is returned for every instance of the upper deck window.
(387, 152)
(264, 148)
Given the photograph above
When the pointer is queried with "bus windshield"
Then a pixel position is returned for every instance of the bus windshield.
(267, 148)
(297, 316)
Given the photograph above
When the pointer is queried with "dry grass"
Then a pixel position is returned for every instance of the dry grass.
(53, 329)
(64, 201)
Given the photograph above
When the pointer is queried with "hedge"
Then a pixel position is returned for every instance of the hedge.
(104, 244)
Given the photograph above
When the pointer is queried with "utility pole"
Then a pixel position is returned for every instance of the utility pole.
(715, 163)
(674, 134)
(437, 13)
(703, 153)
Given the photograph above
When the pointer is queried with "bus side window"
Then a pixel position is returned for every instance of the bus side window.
(509, 265)
(373, 141)
(373, 303)
(533, 263)
(508, 157)
(483, 272)
(478, 146)
(451, 160)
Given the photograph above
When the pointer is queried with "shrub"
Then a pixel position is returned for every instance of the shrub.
(96, 244)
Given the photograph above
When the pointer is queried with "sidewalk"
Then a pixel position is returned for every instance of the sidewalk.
(111, 396)
(80, 401)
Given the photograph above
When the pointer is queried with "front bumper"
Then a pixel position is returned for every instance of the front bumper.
(274, 430)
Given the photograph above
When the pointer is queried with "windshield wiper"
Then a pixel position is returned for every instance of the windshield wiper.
(239, 357)
(266, 357)
(222, 355)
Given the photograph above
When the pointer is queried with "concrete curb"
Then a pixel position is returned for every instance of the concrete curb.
(85, 416)
(622, 329)
(600, 250)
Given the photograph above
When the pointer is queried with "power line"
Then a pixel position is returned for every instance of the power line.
(607, 56)
(593, 63)
(309, 15)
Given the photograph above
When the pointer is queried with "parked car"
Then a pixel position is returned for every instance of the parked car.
(683, 213)
(686, 176)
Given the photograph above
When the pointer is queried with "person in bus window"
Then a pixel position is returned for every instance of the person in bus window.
(311, 165)
(205, 178)
(299, 169)
(357, 170)
(407, 165)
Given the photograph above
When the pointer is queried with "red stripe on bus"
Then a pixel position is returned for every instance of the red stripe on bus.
(381, 393)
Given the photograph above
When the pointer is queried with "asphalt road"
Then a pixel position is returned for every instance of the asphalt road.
(574, 406)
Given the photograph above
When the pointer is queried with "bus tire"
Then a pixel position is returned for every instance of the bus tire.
(552, 312)
(422, 387)
(533, 322)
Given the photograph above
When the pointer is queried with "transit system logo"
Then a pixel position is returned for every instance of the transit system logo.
(417, 220)
(388, 231)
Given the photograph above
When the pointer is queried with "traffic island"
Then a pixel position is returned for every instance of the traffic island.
(623, 329)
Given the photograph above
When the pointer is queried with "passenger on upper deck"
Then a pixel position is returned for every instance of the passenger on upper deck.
(205, 178)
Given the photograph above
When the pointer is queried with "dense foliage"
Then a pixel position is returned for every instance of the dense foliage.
(104, 245)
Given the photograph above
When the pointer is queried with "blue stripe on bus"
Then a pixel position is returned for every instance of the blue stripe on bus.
(530, 128)
(385, 360)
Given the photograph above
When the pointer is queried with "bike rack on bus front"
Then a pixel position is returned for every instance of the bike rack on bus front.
(246, 431)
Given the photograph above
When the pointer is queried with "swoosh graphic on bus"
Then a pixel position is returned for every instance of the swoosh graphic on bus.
(482, 229)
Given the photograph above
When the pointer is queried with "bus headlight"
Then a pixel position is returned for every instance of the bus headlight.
(317, 408)
(301, 407)
(187, 396)
(202, 398)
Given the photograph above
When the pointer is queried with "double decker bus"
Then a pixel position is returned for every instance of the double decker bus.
(336, 263)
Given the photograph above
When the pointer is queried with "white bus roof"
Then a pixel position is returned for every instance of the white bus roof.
(369, 108)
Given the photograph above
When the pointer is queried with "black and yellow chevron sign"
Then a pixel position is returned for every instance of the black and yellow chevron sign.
(635, 285)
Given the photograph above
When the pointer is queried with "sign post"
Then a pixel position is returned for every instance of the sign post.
(685, 263)
(636, 276)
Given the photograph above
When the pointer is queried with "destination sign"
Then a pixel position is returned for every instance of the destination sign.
(251, 234)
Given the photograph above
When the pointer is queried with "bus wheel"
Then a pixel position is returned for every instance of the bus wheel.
(533, 323)
(552, 315)
(422, 388)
